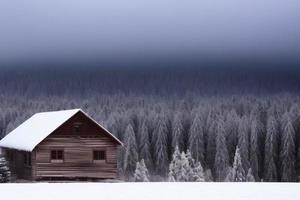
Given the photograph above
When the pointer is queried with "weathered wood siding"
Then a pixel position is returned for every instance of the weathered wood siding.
(16, 164)
(78, 152)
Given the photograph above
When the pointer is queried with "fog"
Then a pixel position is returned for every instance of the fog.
(131, 30)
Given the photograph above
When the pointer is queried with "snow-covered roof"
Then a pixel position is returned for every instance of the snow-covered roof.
(34, 130)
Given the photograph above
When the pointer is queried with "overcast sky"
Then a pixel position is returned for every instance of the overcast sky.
(74, 29)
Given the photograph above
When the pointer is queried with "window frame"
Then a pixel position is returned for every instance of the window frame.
(99, 160)
(56, 158)
(77, 128)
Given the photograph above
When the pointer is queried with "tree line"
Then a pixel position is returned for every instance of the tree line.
(154, 114)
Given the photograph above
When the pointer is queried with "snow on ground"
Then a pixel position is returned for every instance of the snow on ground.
(147, 191)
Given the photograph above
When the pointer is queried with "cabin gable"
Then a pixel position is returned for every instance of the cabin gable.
(61, 144)
(78, 148)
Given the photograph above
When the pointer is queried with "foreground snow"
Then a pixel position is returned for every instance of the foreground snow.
(145, 191)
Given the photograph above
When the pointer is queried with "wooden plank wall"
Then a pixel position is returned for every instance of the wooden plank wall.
(78, 152)
(16, 164)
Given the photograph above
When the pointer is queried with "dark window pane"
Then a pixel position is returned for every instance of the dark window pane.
(59, 155)
(99, 155)
(76, 127)
(53, 154)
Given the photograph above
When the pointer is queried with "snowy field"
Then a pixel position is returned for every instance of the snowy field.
(145, 191)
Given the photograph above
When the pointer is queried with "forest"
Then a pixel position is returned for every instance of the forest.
(210, 114)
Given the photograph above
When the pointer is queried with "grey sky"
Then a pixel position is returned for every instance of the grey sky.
(82, 28)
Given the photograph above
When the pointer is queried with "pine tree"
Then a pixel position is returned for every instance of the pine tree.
(287, 150)
(174, 167)
(250, 176)
(130, 152)
(177, 133)
(196, 139)
(141, 172)
(237, 172)
(231, 129)
(4, 170)
(270, 169)
(243, 142)
(161, 154)
(144, 148)
(222, 158)
(211, 129)
(197, 174)
(254, 150)
(298, 165)
(184, 169)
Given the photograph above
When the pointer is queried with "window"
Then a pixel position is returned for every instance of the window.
(76, 128)
(27, 159)
(57, 155)
(99, 155)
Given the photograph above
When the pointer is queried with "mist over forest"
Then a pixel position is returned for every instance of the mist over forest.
(208, 111)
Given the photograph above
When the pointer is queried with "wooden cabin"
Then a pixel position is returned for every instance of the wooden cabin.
(61, 145)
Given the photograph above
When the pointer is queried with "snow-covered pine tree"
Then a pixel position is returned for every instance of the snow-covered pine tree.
(190, 158)
(298, 165)
(254, 150)
(173, 167)
(295, 115)
(177, 133)
(237, 172)
(287, 149)
(141, 172)
(161, 154)
(196, 139)
(231, 129)
(180, 169)
(270, 169)
(185, 170)
(243, 141)
(211, 127)
(222, 159)
(250, 176)
(4, 170)
(144, 148)
(197, 174)
(130, 151)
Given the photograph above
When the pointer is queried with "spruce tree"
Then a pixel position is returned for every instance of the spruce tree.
(237, 172)
(196, 139)
(250, 176)
(141, 172)
(184, 169)
(254, 150)
(144, 148)
(270, 168)
(243, 142)
(161, 154)
(197, 174)
(211, 129)
(177, 133)
(174, 168)
(298, 165)
(222, 158)
(4, 170)
(287, 149)
(231, 129)
(130, 152)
